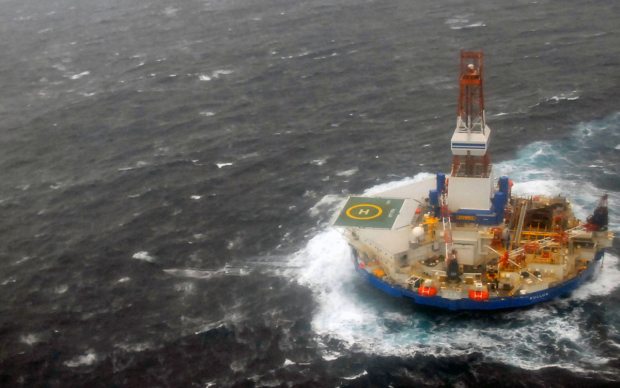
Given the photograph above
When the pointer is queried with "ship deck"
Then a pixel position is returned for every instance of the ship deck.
(455, 289)
(497, 300)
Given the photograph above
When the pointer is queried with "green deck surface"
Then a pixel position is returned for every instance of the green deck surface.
(370, 212)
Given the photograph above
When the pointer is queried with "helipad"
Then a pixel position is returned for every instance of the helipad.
(369, 212)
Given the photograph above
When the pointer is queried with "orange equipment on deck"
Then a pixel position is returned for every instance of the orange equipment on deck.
(478, 295)
(427, 291)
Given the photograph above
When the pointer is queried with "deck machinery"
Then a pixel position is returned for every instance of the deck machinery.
(463, 241)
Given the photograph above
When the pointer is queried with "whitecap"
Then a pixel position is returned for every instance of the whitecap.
(458, 19)
(207, 113)
(223, 164)
(214, 75)
(350, 172)
(138, 164)
(196, 197)
(474, 25)
(364, 373)
(196, 273)
(185, 287)
(61, 289)
(334, 54)
(134, 347)
(170, 11)
(563, 97)
(84, 360)
(238, 365)
(233, 243)
(218, 73)
(326, 267)
(569, 96)
(309, 193)
(8, 281)
(79, 75)
(605, 283)
(329, 203)
(234, 317)
(24, 18)
(143, 255)
(331, 356)
(29, 339)
(123, 279)
(300, 55)
(288, 362)
(319, 162)
(22, 260)
(595, 34)
(460, 22)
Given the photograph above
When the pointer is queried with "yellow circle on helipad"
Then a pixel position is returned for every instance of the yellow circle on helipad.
(366, 207)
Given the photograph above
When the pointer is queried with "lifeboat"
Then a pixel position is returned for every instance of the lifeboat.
(478, 295)
(427, 291)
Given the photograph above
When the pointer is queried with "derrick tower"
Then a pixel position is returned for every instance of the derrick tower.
(470, 185)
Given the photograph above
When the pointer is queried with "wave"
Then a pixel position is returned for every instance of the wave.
(195, 273)
(462, 22)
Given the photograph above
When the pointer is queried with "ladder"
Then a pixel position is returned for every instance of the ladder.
(447, 225)
(523, 210)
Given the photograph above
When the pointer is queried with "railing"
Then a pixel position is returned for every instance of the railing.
(543, 242)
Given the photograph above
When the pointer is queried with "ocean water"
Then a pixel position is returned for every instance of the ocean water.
(170, 169)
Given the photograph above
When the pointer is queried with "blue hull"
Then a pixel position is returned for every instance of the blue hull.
(493, 303)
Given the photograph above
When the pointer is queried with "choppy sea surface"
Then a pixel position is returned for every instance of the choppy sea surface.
(169, 170)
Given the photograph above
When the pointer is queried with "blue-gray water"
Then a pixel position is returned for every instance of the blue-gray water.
(169, 169)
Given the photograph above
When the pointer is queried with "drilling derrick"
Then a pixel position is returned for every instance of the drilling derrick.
(470, 115)
(471, 137)
(471, 167)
